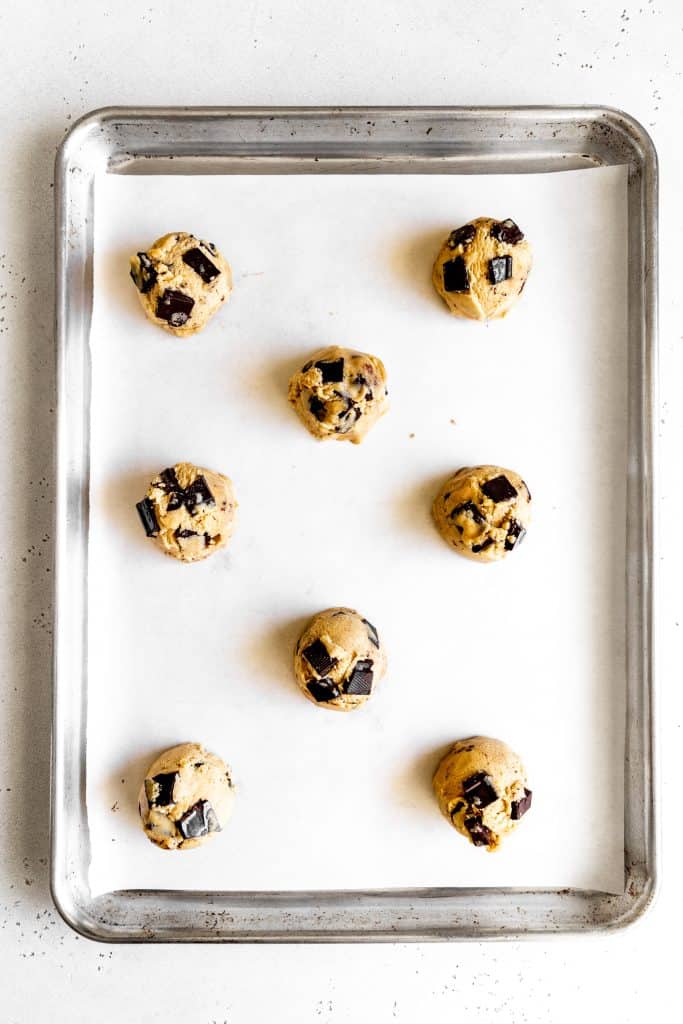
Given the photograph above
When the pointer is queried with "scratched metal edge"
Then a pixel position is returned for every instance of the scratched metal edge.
(114, 139)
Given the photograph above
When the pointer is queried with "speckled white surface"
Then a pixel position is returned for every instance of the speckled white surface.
(62, 60)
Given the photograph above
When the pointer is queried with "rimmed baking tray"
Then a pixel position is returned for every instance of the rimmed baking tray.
(357, 140)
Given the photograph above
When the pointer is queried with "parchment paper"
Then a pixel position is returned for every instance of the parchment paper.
(530, 650)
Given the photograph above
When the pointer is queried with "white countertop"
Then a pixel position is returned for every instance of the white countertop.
(63, 60)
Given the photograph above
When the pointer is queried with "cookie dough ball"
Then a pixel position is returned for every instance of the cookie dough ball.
(481, 788)
(188, 511)
(187, 797)
(483, 512)
(339, 659)
(340, 393)
(181, 281)
(482, 268)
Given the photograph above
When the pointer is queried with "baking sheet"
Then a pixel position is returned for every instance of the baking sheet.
(530, 650)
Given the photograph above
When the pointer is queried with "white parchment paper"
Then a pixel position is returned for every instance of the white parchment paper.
(530, 650)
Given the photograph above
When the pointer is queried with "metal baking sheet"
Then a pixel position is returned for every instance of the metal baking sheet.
(414, 142)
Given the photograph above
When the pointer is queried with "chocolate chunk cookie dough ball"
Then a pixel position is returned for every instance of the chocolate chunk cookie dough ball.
(340, 393)
(187, 797)
(481, 789)
(189, 512)
(339, 659)
(482, 268)
(181, 281)
(483, 512)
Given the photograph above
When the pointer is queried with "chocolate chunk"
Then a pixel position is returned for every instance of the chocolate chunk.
(499, 489)
(318, 408)
(479, 833)
(372, 633)
(360, 380)
(198, 493)
(175, 307)
(461, 236)
(323, 690)
(507, 231)
(211, 247)
(520, 807)
(169, 480)
(306, 367)
(199, 821)
(476, 548)
(360, 680)
(515, 535)
(455, 276)
(159, 789)
(183, 534)
(201, 265)
(500, 269)
(479, 790)
(458, 808)
(144, 276)
(528, 492)
(148, 517)
(319, 658)
(332, 370)
(470, 509)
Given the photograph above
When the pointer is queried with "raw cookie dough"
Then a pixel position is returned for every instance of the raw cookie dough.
(181, 281)
(483, 512)
(481, 788)
(340, 393)
(188, 511)
(186, 797)
(482, 268)
(339, 659)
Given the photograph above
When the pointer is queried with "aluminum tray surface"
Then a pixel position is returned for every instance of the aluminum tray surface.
(353, 140)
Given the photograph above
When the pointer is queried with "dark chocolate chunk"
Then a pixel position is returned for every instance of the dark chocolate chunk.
(500, 269)
(159, 789)
(461, 236)
(372, 633)
(360, 380)
(476, 548)
(455, 276)
(499, 489)
(479, 833)
(199, 821)
(306, 367)
(323, 690)
(144, 276)
(201, 265)
(515, 535)
(198, 493)
(332, 370)
(318, 408)
(458, 808)
(479, 790)
(148, 517)
(360, 680)
(175, 307)
(318, 657)
(183, 534)
(169, 480)
(507, 231)
(528, 492)
(520, 807)
(211, 247)
(471, 509)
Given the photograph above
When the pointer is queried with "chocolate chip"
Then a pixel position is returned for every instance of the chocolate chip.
(175, 307)
(201, 265)
(470, 509)
(476, 548)
(319, 658)
(507, 231)
(318, 408)
(360, 380)
(461, 236)
(323, 690)
(499, 489)
(479, 790)
(199, 821)
(332, 370)
(148, 517)
(159, 789)
(455, 276)
(458, 808)
(372, 633)
(520, 807)
(479, 833)
(500, 269)
(144, 275)
(360, 680)
(169, 480)
(515, 535)
(183, 534)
